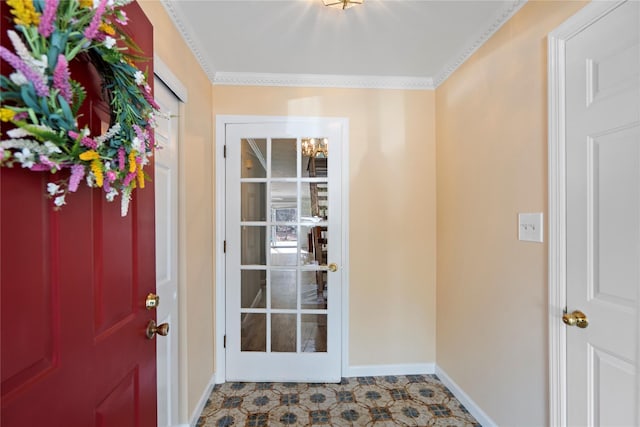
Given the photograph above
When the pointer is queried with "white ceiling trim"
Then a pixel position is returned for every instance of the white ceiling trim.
(504, 16)
(322, 80)
(342, 81)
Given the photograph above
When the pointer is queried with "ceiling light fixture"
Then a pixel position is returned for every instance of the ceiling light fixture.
(315, 147)
(342, 4)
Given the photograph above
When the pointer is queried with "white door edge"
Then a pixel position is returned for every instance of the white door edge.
(557, 40)
(220, 205)
(164, 74)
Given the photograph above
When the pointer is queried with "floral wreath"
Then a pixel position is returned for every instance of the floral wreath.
(41, 100)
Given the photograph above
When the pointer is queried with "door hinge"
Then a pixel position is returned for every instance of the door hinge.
(224, 342)
(224, 151)
(224, 246)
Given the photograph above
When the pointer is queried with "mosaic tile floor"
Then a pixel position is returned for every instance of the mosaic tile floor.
(411, 400)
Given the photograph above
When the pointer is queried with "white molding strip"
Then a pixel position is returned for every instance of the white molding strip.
(381, 370)
(229, 78)
(506, 14)
(195, 415)
(322, 80)
(464, 398)
(557, 40)
(194, 44)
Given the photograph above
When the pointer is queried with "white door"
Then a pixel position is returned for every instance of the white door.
(283, 232)
(603, 219)
(166, 188)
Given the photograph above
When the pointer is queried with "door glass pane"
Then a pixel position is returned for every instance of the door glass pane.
(314, 200)
(284, 245)
(254, 239)
(283, 289)
(311, 297)
(314, 152)
(314, 333)
(253, 288)
(284, 205)
(254, 332)
(283, 158)
(253, 158)
(283, 333)
(254, 207)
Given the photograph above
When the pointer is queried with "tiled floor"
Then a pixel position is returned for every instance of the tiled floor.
(411, 400)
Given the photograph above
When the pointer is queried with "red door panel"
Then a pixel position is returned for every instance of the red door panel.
(73, 283)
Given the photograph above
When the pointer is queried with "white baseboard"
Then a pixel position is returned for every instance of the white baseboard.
(468, 403)
(203, 401)
(380, 370)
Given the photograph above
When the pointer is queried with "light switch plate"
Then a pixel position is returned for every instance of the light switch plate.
(530, 227)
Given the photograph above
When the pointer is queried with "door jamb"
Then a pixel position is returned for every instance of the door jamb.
(220, 204)
(557, 40)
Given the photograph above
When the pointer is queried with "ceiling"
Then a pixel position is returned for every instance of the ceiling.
(393, 42)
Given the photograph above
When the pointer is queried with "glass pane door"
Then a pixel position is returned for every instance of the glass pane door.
(281, 292)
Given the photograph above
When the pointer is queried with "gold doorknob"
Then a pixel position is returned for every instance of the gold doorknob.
(333, 267)
(152, 301)
(577, 318)
(153, 329)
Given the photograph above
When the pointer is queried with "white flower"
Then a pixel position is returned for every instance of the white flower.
(139, 76)
(59, 201)
(111, 195)
(109, 42)
(86, 132)
(52, 148)
(53, 188)
(17, 133)
(136, 144)
(90, 179)
(18, 78)
(25, 157)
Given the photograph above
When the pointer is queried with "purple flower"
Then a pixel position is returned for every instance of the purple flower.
(127, 180)
(121, 158)
(86, 141)
(147, 95)
(77, 173)
(61, 78)
(33, 76)
(48, 163)
(91, 31)
(48, 16)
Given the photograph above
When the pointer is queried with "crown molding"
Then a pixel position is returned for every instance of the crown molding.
(225, 78)
(506, 14)
(322, 80)
(194, 45)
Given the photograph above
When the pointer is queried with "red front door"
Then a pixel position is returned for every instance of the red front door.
(73, 286)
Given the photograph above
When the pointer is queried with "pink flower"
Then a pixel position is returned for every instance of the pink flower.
(121, 158)
(128, 179)
(91, 31)
(61, 78)
(33, 76)
(86, 141)
(77, 173)
(48, 16)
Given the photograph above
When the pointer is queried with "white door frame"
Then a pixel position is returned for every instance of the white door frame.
(220, 204)
(557, 202)
(162, 71)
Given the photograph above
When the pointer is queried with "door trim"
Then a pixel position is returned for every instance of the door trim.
(163, 72)
(557, 40)
(220, 204)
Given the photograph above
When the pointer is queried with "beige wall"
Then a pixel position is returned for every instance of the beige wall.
(196, 143)
(392, 210)
(492, 164)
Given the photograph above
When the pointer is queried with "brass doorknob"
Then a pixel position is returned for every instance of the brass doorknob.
(333, 267)
(153, 329)
(577, 318)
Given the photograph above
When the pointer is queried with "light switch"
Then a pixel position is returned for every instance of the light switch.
(530, 227)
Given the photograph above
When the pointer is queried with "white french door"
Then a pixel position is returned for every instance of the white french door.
(283, 251)
(603, 219)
